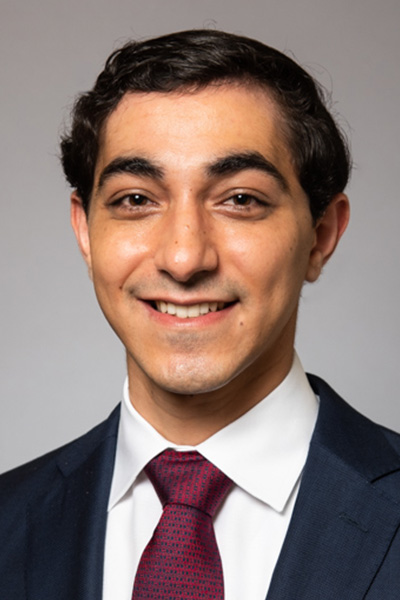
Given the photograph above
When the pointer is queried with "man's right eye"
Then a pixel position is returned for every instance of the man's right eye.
(134, 204)
(133, 200)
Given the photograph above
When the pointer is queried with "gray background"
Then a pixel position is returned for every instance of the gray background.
(61, 367)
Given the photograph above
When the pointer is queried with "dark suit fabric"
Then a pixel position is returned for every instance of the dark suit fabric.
(343, 541)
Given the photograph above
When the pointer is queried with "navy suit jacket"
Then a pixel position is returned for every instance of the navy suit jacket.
(343, 541)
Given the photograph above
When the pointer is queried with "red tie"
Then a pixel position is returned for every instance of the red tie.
(182, 561)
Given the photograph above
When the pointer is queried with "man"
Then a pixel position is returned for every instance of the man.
(208, 183)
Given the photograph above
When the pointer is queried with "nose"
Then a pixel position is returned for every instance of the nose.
(185, 247)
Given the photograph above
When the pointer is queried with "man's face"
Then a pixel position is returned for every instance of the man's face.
(199, 238)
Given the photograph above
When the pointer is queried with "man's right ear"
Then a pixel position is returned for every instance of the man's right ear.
(80, 226)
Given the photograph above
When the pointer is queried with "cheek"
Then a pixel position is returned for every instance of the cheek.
(262, 255)
(115, 257)
(273, 264)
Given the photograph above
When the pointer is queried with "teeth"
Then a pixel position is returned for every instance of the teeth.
(204, 308)
(192, 311)
(182, 312)
(162, 307)
(171, 309)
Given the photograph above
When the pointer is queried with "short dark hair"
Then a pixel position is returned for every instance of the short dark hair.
(192, 60)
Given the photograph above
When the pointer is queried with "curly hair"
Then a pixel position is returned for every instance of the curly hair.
(192, 60)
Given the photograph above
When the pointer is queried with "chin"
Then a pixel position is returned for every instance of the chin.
(191, 386)
(189, 380)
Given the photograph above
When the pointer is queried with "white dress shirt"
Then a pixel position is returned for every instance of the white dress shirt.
(263, 452)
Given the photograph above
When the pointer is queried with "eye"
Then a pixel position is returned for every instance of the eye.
(133, 200)
(238, 204)
(130, 202)
(243, 199)
(132, 205)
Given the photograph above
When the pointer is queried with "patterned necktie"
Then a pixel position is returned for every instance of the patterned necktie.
(182, 561)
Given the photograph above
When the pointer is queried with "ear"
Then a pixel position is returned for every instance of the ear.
(80, 226)
(328, 231)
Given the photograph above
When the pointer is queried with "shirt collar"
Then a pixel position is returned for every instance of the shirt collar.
(263, 451)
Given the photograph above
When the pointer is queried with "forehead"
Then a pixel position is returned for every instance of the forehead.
(186, 128)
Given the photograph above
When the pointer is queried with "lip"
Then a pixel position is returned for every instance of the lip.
(187, 301)
(201, 320)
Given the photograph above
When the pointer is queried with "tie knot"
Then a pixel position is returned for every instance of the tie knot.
(188, 478)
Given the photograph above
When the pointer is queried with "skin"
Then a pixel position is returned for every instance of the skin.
(173, 219)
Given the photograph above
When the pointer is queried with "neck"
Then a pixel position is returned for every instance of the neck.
(186, 419)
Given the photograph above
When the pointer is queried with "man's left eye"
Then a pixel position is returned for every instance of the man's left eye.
(243, 200)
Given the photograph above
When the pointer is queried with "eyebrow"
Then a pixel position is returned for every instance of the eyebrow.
(226, 165)
(236, 162)
(133, 165)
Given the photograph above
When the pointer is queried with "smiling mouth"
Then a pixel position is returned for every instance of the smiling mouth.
(188, 311)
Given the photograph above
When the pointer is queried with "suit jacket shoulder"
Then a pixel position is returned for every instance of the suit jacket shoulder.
(53, 516)
(343, 540)
(31, 476)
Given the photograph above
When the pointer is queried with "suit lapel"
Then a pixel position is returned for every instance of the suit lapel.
(66, 528)
(343, 521)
